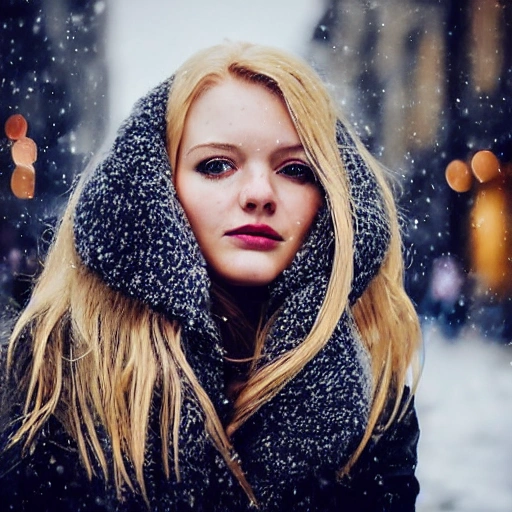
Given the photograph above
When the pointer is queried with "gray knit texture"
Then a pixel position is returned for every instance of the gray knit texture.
(131, 229)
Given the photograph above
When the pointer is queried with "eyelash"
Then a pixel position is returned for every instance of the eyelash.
(205, 167)
(305, 175)
(297, 171)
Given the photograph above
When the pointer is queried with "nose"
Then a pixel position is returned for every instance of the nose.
(257, 193)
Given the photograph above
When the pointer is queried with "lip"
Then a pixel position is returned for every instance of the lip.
(258, 230)
(259, 237)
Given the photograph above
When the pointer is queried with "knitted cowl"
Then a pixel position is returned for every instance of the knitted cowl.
(131, 230)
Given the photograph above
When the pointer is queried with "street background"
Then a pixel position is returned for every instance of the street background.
(423, 81)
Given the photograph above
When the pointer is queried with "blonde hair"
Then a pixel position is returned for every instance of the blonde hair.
(384, 315)
(88, 368)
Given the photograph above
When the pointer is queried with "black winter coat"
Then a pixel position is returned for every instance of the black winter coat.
(132, 231)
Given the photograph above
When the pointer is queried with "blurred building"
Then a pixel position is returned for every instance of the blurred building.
(53, 72)
(426, 82)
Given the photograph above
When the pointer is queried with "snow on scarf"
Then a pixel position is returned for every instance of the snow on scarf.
(130, 228)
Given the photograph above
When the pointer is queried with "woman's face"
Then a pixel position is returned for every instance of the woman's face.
(244, 181)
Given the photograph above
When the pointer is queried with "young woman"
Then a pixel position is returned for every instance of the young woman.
(221, 322)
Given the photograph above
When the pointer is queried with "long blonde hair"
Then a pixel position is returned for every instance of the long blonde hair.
(97, 356)
(384, 315)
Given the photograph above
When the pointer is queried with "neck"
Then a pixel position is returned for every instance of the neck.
(246, 300)
(241, 309)
(250, 300)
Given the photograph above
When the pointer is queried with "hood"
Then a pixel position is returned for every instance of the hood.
(130, 228)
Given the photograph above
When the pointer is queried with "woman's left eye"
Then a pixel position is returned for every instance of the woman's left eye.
(300, 172)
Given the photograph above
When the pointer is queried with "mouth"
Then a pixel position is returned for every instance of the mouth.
(256, 230)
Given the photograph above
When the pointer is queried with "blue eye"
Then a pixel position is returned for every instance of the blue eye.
(214, 167)
(300, 172)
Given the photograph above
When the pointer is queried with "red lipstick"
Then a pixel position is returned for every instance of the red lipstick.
(258, 237)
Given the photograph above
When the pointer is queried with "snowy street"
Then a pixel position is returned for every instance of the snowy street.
(464, 405)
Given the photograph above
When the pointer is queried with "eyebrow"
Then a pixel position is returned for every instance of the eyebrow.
(213, 145)
(295, 148)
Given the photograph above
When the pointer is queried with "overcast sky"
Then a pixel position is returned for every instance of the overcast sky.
(149, 39)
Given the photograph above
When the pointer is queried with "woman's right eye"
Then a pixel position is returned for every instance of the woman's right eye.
(215, 167)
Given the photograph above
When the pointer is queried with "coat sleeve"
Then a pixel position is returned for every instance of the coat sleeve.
(384, 477)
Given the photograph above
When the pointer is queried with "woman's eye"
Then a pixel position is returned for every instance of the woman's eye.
(299, 172)
(214, 167)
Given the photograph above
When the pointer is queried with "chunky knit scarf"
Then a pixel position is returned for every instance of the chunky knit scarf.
(130, 228)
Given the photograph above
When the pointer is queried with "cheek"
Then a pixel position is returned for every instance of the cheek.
(203, 208)
(191, 201)
(305, 210)
(197, 214)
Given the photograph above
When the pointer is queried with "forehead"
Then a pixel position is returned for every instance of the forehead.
(235, 106)
(235, 91)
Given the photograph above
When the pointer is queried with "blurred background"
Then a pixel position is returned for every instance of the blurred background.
(427, 85)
